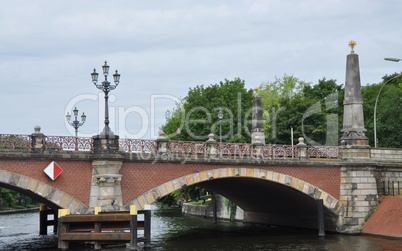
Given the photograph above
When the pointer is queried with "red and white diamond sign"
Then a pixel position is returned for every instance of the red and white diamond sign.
(53, 170)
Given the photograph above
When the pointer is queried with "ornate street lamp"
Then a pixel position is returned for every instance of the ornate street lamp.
(106, 87)
(220, 116)
(178, 133)
(76, 123)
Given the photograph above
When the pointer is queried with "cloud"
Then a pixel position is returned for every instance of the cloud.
(48, 50)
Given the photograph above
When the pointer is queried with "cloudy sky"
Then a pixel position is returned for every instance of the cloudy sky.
(162, 48)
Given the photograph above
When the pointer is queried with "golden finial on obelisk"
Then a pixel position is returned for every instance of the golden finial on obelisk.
(256, 91)
(352, 45)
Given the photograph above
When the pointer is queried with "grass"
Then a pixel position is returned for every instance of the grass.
(204, 200)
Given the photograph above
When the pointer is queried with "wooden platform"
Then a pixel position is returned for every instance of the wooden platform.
(104, 227)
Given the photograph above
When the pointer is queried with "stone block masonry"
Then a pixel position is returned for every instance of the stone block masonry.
(358, 193)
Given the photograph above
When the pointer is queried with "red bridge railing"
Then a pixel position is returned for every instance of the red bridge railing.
(71, 143)
(64, 143)
(323, 152)
(138, 145)
(15, 141)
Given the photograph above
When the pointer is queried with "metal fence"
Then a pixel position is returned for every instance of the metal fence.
(71, 143)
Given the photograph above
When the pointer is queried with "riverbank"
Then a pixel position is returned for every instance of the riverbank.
(19, 210)
(386, 220)
(207, 210)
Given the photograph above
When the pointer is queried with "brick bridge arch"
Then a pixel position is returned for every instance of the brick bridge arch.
(41, 191)
(238, 180)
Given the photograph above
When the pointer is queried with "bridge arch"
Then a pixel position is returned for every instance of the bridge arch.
(254, 190)
(45, 193)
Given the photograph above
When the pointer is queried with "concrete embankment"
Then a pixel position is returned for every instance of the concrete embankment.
(207, 211)
(386, 219)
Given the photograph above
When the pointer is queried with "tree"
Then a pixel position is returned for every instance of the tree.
(273, 96)
(389, 111)
(312, 111)
(197, 114)
(9, 196)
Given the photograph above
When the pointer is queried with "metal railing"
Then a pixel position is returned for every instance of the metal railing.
(323, 152)
(71, 143)
(15, 141)
(65, 143)
(390, 188)
(138, 145)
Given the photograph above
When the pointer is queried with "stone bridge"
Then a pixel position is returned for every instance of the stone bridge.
(278, 186)
(274, 184)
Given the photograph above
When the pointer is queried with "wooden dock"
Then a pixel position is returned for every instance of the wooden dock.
(105, 227)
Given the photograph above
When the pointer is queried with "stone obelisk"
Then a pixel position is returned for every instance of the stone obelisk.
(257, 127)
(353, 119)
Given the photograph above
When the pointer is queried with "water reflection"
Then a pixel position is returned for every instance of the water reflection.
(173, 231)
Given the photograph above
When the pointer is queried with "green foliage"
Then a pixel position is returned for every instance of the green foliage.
(232, 208)
(14, 199)
(8, 196)
(184, 194)
(314, 112)
(197, 114)
(389, 112)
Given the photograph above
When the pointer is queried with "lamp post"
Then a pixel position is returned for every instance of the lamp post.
(106, 87)
(178, 133)
(220, 116)
(393, 59)
(375, 108)
(76, 123)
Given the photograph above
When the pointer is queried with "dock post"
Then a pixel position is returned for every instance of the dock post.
(62, 228)
(133, 227)
(147, 225)
(214, 209)
(43, 220)
(320, 212)
(97, 228)
(55, 221)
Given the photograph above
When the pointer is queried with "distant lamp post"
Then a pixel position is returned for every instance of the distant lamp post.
(76, 123)
(376, 101)
(393, 59)
(106, 87)
(220, 116)
(178, 133)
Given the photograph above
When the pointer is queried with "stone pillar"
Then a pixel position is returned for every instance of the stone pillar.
(353, 121)
(162, 145)
(105, 185)
(302, 149)
(359, 195)
(212, 150)
(106, 144)
(38, 140)
(257, 128)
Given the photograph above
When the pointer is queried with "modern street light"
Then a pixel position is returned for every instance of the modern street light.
(220, 116)
(106, 87)
(76, 123)
(375, 108)
(393, 59)
(178, 133)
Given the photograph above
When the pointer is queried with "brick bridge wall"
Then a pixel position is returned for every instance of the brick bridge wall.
(139, 178)
(75, 179)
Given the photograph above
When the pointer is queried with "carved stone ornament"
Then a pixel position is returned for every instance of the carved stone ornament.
(107, 179)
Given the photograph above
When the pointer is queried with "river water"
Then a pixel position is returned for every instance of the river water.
(173, 231)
